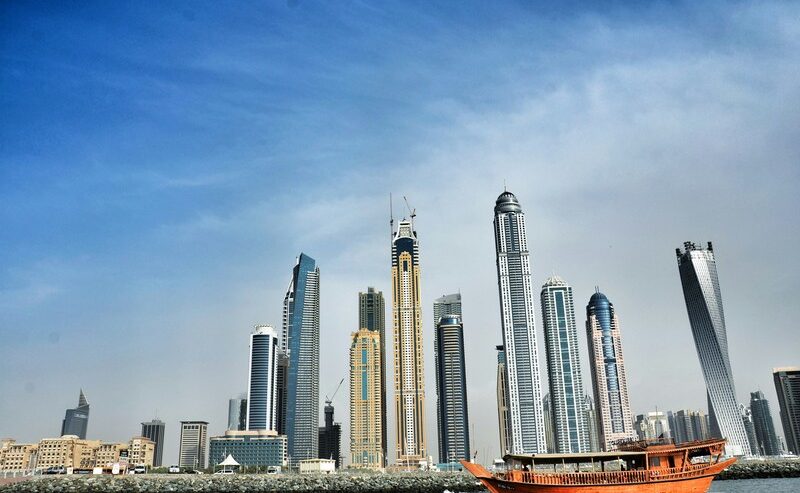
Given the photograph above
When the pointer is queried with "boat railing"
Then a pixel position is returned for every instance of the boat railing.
(608, 477)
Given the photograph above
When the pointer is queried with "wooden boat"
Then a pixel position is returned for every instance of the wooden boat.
(653, 466)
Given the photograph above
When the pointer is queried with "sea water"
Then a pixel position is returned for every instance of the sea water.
(774, 485)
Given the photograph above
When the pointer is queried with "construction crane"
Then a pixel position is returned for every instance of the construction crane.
(330, 401)
(411, 211)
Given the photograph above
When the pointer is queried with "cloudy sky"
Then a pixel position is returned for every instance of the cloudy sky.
(162, 165)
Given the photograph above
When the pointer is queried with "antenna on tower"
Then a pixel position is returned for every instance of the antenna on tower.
(411, 211)
(391, 216)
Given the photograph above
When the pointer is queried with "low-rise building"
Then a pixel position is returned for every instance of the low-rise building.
(69, 451)
(17, 456)
(318, 466)
(251, 448)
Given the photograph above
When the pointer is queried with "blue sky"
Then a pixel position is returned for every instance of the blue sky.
(162, 164)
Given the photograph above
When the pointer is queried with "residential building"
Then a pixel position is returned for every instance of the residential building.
(154, 431)
(547, 407)
(300, 340)
(261, 390)
(787, 385)
(590, 411)
(263, 448)
(698, 272)
(502, 402)
(654, 424)
(193, 445)
(17, 456)
(237, 413)
(564, 367)
(522, 379)
(449, 304)
(609, 379)
(330, 437)
(409, 375)
(451, 386)
(69, 451)
(687, 425)
(749, 429)
(76, 420)
(372, 316)
(141, 451)
(765, 429)
(367, 418)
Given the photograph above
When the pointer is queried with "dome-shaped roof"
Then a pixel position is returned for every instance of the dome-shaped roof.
(507, 202)
(598, 299)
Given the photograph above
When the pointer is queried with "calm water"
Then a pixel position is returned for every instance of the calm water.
(783, 485)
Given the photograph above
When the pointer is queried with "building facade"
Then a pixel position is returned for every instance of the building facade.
(698, 272)
(261, 388)
(237, 413)
(549, 437)
(687, 425)
(654, 424)
(367, 419)
(69, 451)
(193, 451)
(570, 429)
(264, 448)
(762, 422)
(593, 432)
(749, 428)
(76, 420)
(502, 403)
(372, 316)
(787, 385)
(330, 437)
(609, 379)
(301, 336)
(451, 387)
(409, 368)
(154, 431)
(522, 378)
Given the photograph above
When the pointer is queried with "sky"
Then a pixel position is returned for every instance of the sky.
(162, 165)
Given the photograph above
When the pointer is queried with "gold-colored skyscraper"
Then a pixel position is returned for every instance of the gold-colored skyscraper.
(409, 377)
(366, 402)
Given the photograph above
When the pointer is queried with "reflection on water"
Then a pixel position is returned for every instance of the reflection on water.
(783, 485)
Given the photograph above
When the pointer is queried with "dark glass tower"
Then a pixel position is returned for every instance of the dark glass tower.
(372, 316)
(762, 422)
(154, 430)
(301, 340)
(451, 389)
(330, 437)
(787, 385)
(76, 420)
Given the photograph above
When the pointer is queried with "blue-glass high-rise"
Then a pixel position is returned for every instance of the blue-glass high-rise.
(301, 342)
(261, 389)
(76, 420)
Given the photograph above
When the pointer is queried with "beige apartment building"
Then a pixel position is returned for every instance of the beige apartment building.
(71, 451)
(366, 418)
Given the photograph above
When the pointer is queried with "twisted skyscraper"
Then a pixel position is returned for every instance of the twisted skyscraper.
(525, 419)
(698, 271)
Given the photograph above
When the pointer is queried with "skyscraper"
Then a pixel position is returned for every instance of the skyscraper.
(449, 304)
(261, 390)
(593, 432)
(76, 420)
(687, 426)
(522, 380)
(698, 271)
(547, 408)
(564, 367)
(502, 402)
(366, 409)
(749, 428)
(409, 378)
(301, 344)
(237, 413)
(154, 430)
(451, 389)
(764, 427)
(787, 385)
(330, 437)
(194, 444)
(609, 380)
(372, 316)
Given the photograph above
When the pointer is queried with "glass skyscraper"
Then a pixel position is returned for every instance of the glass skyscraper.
(698, 271)
(261, 390)
(237, 413)
(787, 385)
(372, 316)
(766, 438)
(409, 381)
(609, 379)
(451, 388)
(570, 430)
(522, 380)
(300, 338)
(76, 420)
(154, 430)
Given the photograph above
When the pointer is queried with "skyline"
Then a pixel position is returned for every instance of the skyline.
(161, 209)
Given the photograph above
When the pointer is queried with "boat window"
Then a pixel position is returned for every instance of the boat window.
(655, 461)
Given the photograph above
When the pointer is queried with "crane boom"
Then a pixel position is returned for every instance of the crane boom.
(327, 400)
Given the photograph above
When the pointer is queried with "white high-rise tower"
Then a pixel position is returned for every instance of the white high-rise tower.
(525, 417)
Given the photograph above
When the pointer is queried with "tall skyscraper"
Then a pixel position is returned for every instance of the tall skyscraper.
(194, 444)
(451, 388)
(787, 385)
(502, 403)
(237, 413)
(698, 271)
(330, 437)
(76, 420)
(372, 316)
(366, 409)
(549, 437)
(449, 304)
(687, 426)
(409, 377)
(564, 367)
(261, 390)
(654, 424)
(609, 380)
(154, 430)
(301, 343)
(749, 428)
(593, 432)
(765, 428)
(522, 380)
